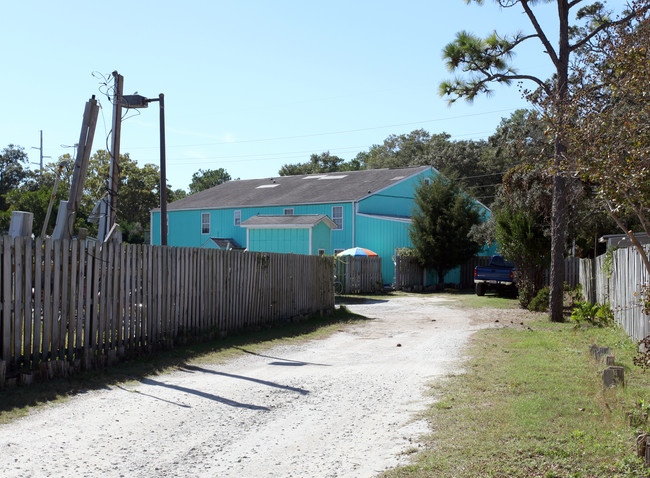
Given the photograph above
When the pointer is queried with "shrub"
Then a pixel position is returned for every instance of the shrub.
(539, 303)
(598, 315)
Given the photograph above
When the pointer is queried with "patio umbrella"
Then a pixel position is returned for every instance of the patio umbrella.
(357, 251)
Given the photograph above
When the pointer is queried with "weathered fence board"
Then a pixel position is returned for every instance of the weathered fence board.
(359, 275)
(72, 301)
(617, 279)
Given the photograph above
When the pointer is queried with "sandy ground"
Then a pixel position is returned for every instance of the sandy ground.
(344, 406)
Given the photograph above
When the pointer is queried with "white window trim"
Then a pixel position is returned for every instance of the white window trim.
(336, 251)
(203, 223)
(427, 181)
(341, 217)
(237, 217)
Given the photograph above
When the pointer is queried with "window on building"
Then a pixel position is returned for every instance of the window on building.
(337, 216)
(336, 251)
(427, 181)
(205, 223)
(238, 218)
(288, 211)
(321, 252)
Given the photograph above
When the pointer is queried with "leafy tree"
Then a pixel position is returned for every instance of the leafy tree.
(138, 193)
(208, 179)
(609, 124)
(320, 163)
(12, 171)
(523, 239)
(176, 194)
(488, 60)
(35, 192)
(442, 220)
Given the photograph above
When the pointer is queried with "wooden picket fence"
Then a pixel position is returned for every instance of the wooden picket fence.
(359, 275)
(408, 272)
(83, 304)
(620, 284)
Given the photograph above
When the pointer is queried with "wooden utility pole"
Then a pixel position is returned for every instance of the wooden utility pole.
(81, 164)
(114, 173)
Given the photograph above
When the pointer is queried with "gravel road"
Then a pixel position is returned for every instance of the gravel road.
(344, 406)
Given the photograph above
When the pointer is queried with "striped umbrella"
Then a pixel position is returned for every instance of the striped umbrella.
(357, 251)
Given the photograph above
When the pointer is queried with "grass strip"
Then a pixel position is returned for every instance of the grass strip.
(530, 403)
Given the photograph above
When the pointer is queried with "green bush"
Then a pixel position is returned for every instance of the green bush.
(540, 301)
(599, 315)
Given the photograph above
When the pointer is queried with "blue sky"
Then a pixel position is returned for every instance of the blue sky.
(248, 85)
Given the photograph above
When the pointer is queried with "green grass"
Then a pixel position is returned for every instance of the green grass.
(18, 402)
(473, 301)
(530, 403)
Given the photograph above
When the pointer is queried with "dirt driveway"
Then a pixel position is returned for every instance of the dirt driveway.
(343, 406)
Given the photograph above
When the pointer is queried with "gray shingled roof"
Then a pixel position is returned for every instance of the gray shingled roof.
(226, 243)
(288, 220)
(288, 190)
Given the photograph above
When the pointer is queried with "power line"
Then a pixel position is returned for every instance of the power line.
(329, 133)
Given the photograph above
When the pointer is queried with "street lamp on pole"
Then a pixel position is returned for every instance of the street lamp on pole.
(138, 101)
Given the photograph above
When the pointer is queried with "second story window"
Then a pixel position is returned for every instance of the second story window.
(288, 211)
(205, 223)
(337, 216)
(238, 218)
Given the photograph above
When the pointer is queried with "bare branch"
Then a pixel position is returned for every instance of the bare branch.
(540, 32)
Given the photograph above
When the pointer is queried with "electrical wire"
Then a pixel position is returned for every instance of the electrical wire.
(311, 135)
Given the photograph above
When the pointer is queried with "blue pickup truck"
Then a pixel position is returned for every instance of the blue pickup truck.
(499, 274)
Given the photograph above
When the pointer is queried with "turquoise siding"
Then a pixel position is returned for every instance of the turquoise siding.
(294, 241)
(383, 237)
(185, 226)
(320, 239)
(396, 200)
(380, 234)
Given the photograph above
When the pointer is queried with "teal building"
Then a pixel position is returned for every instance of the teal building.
(331, 212)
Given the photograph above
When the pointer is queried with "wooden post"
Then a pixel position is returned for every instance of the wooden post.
(3, 373)
(613, 376)
(114, 173)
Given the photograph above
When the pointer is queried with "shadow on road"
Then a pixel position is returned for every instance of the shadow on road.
(209, 396)
(282, 361)
(194, 368)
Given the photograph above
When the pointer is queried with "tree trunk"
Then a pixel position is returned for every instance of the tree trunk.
(558, 221)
